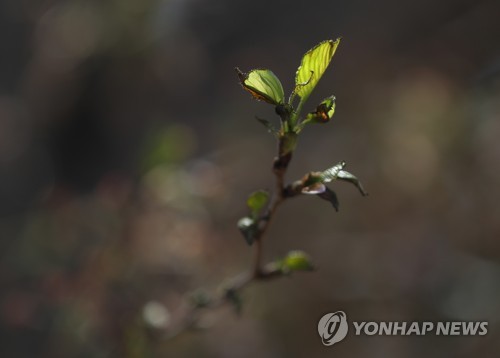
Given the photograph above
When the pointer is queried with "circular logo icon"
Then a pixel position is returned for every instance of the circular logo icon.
(332, 327)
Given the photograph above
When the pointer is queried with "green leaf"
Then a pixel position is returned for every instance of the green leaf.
(268, 125)
(257, 201)
(313, 66)
(248, 227)
(296, 261)
(263, 85)
(346, 176)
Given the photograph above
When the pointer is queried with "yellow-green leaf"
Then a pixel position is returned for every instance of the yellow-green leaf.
(313, 66)
(296, 261)
(263, 85)
(257, 201)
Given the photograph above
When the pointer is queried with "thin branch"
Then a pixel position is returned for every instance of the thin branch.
(270, 271)
(192, 312)
(265, 220)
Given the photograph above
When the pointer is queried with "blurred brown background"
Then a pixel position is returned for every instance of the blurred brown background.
(127, 150)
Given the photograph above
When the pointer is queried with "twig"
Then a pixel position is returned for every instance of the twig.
(190, 317)
(278, 196)
(270, 271)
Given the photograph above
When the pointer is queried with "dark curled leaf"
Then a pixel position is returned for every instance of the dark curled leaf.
(248, 227)
(346, 176)
(329, 195)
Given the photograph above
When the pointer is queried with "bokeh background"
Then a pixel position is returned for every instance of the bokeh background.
(127, 151)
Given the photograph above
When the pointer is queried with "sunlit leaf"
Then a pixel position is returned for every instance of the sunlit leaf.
(332, 173)
(257, 201)
(248, 227)
(263, 85)
(296, 261)
(313, 66)
(346, 176)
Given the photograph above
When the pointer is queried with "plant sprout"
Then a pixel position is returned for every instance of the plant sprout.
(265, 86)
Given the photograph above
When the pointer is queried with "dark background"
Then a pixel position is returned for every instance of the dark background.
(127, 151)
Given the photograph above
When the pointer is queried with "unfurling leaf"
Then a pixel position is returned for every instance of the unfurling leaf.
(337, 172)
(332, 173)
(263, 85)
(249, 229)
(313, 66)
(296, 261)
(346, 176)
(324, 111)
(256, 202)
(314, 183)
